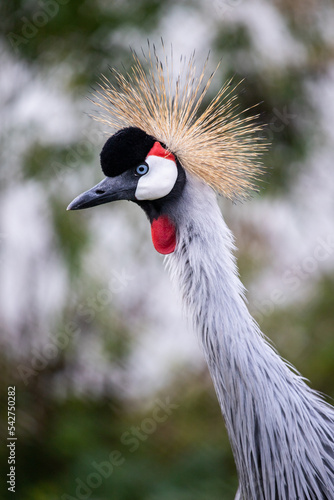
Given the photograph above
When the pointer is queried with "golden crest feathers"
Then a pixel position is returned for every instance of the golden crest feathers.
(220, 146)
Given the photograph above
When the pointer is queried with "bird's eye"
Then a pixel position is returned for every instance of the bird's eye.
(142, 169)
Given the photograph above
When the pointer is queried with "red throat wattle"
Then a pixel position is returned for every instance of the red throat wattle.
(163, 235)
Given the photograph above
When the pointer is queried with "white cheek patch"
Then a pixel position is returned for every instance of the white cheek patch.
(159, 180)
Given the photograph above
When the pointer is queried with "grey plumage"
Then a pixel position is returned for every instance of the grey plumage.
(281, 431)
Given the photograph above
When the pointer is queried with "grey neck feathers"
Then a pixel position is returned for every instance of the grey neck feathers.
(281, 432)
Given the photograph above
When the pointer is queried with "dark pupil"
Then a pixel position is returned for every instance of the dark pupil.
(142, 169)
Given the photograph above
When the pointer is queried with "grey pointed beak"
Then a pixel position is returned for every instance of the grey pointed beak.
(110, 189)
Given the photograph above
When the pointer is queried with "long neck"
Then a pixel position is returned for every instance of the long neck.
(277, 426)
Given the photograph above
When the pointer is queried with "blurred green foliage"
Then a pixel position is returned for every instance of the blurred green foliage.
(75, 32)
(304, 335)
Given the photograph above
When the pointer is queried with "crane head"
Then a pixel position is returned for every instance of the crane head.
(140, 169)
(159, 128)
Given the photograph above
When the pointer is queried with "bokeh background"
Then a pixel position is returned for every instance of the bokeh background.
(114, 400)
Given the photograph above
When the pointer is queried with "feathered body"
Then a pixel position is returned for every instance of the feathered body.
(281, 432)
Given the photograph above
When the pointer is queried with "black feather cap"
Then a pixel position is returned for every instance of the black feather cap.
(125, 150)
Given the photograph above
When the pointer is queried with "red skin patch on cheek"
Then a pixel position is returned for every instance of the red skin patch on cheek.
(158, 150)
(163, 235)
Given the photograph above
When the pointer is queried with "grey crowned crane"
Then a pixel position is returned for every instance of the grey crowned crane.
(172, 160)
